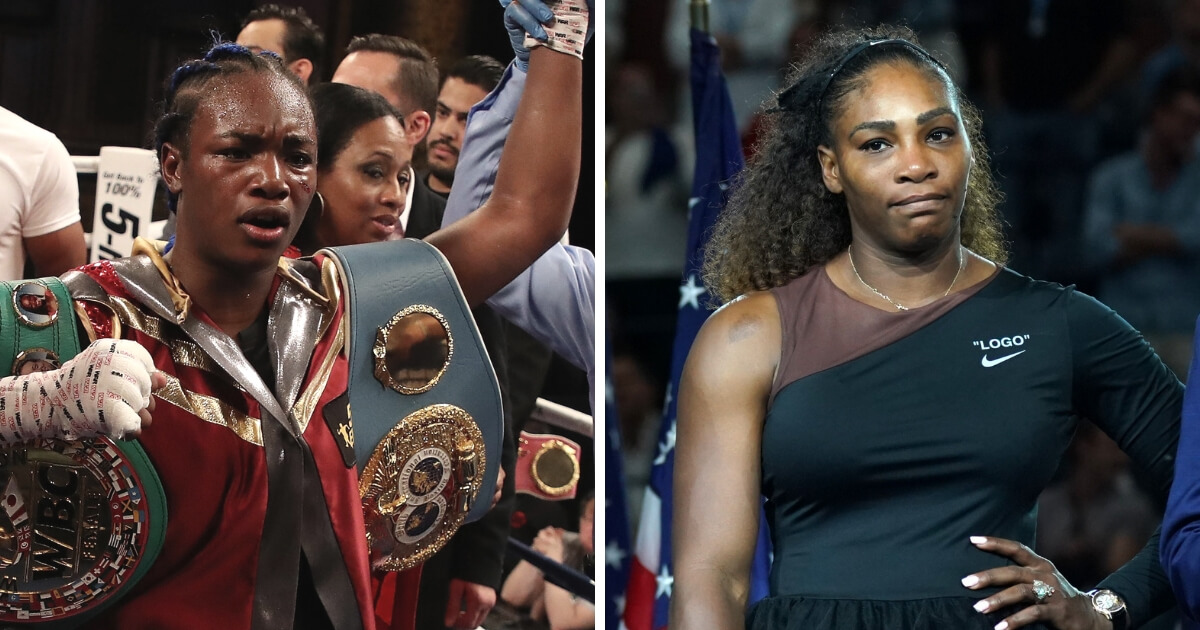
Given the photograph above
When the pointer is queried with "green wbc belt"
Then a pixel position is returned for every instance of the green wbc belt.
(81, 522)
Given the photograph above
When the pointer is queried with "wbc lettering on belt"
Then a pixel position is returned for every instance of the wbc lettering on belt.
(73, 522)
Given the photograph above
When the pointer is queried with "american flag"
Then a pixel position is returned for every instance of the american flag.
(616, 513)
(718, 159)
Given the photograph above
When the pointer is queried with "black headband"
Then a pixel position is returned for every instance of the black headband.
(792, 98)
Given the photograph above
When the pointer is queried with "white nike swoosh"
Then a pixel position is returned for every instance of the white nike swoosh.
(990, 362)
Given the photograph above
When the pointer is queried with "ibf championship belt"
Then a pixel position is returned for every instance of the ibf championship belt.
(81, 522)
(423, 398)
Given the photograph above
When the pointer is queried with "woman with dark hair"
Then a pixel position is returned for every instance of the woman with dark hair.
(266, 525)
(526, 586)
(362, 177)
(898, 395)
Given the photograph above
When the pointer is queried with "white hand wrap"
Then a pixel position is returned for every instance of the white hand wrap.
(568, 32)
(98, 392)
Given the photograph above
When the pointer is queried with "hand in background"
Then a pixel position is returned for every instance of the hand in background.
(468, 604)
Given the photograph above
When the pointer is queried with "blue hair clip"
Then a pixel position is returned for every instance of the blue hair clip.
(185, 72)
(226, 50)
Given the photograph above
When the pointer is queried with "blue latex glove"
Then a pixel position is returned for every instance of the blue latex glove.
(519, 19)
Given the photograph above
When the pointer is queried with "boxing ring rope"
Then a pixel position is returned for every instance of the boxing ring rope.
(555, 572)
(563, 417)
(86, 164)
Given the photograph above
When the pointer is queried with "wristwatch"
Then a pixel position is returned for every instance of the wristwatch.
(1111, 606)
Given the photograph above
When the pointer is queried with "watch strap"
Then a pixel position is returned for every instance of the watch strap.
(1118, 617)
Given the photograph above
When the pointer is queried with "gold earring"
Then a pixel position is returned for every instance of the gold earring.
(317, 203)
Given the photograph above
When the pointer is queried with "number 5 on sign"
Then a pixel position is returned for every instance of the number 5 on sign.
(126, 182)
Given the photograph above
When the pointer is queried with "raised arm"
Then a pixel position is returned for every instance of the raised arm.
(535, 186)
(722, 403)
(554, 299)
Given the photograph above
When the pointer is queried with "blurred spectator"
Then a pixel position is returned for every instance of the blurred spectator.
(1094, 520)
(526, 587)
(1041, 81)
(1142, 224)
(639, 409)
(646, 196)
(39, 202)
(1182, 51)
(934, 20)
(289, 33)
(753, 36)
(466, 83)
(646, 191)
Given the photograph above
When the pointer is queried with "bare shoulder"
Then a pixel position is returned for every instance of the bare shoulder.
(752, 319)
(739, 343)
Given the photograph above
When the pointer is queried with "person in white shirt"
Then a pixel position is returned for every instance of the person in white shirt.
(39, 202)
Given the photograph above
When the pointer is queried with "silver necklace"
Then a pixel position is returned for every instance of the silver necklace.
(962, 260)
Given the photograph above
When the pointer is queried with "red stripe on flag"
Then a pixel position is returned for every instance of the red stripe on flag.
(639, 597)
(642, 591)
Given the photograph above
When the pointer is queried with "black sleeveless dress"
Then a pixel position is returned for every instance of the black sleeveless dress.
(891, 438)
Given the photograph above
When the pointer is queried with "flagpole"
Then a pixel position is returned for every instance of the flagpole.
(700, 15)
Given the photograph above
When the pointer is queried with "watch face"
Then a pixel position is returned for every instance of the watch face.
(1107, 601)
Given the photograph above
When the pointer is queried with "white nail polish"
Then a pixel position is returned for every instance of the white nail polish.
(978, 540)
(981, 605)
(970, 580)
(1002, 625)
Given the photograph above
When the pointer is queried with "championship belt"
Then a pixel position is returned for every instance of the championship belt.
(547, 466)
(82, 521)
(423, 398)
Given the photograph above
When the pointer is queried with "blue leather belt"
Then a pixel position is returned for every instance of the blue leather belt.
(423, 399)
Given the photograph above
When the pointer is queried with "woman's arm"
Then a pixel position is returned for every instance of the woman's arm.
(531, 203)
(565, 611)
(722, 403)
(523, 585)
(1121, 385)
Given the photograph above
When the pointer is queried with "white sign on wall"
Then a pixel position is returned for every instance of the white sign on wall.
(126, 182)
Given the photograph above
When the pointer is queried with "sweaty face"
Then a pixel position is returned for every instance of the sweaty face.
(450, 124)
(263, 35)
(246, 175)
(371, 70)
(365, 188)
(901, 157)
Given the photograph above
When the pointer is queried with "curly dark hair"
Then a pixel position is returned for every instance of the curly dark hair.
(781, 220)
